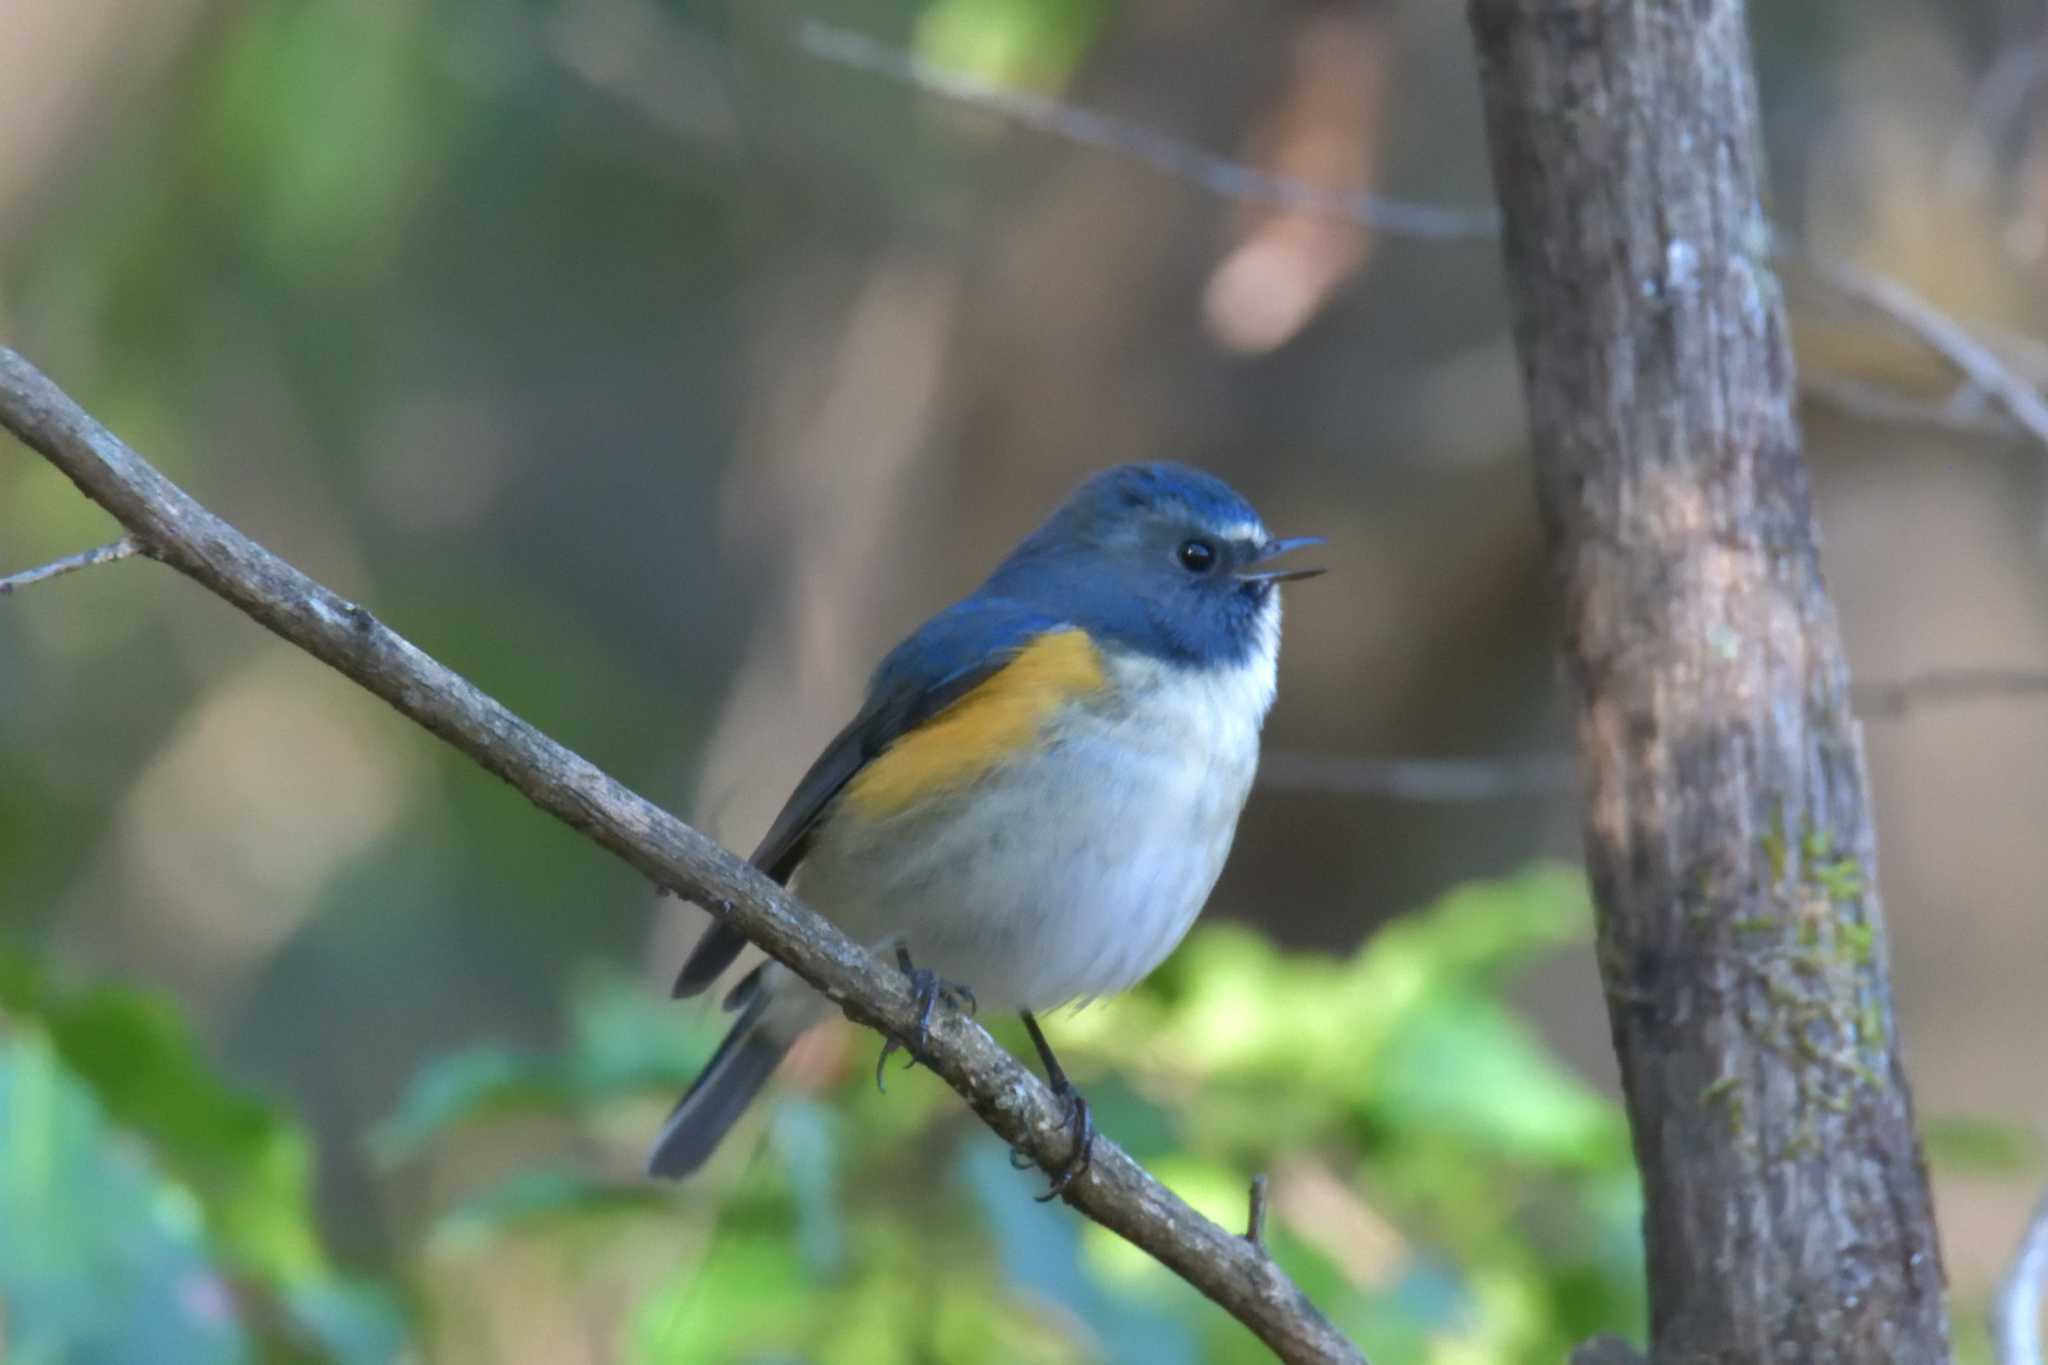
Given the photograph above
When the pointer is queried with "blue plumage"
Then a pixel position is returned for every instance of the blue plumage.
(1090, 565)
(1105, 561)
(1102, 562)
(969, 639)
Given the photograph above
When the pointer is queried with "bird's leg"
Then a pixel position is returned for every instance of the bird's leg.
(930, 988)
(1080, 1120)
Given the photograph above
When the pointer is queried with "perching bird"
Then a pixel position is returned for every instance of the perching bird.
(1042, 786)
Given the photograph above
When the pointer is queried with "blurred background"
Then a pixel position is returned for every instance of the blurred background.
(656, 366)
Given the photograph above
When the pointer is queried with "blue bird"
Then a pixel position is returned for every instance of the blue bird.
(1039, 793)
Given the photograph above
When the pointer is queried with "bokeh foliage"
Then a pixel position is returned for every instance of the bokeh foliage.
(440, 299)
(152, 1211)
(1441, 1184)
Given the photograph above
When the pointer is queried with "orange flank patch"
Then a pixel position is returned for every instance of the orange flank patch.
(980, 730)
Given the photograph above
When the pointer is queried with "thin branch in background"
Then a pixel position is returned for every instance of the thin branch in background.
(1114, 1190)
(1168, 155)
(84, 559)
(2027, 355)
(1419, 779)
(1525, 776)
(1969, 165)
(635, 51)
(2000, 152)
(1943, 335)
(1946, 687)
(1255, 1217)
(2016, 1310)
(1982, 367)
(1966, 411)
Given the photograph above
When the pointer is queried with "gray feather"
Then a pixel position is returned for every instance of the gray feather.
(728, 1084)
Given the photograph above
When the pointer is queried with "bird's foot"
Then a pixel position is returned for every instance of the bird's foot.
(930, 988)
(1081, 1129)
(1079, 1120)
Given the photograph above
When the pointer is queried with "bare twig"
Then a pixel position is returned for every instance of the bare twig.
(1115, 1190)
(1255, 1217)
(1420, 779)
(2016, 1311)
(2001, 98)
(84, 559)
(1168, 155)
(1982, 368)
(1521, 776)
(1946, 686)
(637, 52)
(1966, 411)
(1944, 336)
(2027, 355)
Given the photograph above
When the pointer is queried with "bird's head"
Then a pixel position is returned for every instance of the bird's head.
(1159, 558)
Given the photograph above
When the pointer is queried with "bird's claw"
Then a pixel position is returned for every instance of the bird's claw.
(890, 1047)
(929, 988)
(1080, 1128)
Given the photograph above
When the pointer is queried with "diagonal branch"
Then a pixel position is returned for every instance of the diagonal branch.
(57, 568)
(1115, 1191)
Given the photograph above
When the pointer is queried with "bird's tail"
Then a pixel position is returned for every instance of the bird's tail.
(721, 1093)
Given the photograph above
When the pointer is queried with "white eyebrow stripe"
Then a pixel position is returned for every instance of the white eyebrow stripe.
(1243, 530)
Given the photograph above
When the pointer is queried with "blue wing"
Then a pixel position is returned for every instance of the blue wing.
(944, 660)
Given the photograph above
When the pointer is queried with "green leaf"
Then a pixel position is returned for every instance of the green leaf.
(353, 1323)
(1478, 933)
(323, 119)
(625, 1042)
(462, 1087)
(1230, 1004)
(239, 1171)
(1983, 1145)
(539, 1198)
(100, 1260)
(1041, 1251)
(1034, 43)
(745, 1301)
(805, 1138)
(1462, 1066)
(250, 1168)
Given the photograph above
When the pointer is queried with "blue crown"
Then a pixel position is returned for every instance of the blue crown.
(1136, 489)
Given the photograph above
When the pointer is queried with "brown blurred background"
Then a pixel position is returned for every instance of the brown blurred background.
(658, 373)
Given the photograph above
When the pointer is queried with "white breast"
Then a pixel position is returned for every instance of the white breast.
(1072, 873)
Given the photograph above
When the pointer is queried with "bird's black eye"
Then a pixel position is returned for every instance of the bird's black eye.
(1197, 556)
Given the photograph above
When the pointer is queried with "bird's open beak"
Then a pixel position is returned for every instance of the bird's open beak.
(1271, 551)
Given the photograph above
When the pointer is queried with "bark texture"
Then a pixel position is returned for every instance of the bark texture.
(1728, 817)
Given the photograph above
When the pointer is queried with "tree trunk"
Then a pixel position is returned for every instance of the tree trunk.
(1728, 822)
